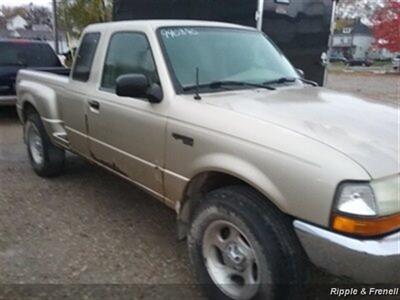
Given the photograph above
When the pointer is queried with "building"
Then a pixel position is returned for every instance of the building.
(353, 42)
(41, 27)
(362, 41)
(16, 22)
(357, 42)
(18, 28)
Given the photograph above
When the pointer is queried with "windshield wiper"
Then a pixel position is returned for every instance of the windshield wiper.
(313, 83)
(220, 84)
(281, 80)
(290, 79)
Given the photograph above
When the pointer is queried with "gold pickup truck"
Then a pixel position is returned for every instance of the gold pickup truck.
(266, 171)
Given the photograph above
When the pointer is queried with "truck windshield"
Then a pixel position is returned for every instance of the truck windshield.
(27, 54)
(223, 55)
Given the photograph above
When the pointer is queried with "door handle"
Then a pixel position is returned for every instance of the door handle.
(185, 139)
(94, 104)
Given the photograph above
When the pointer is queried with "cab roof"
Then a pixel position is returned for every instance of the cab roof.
(155, 24)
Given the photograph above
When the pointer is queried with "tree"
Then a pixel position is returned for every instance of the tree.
(75, 15)
(39, 15)
(10, 12)
(386, 26)
(358, 9)
(34, 15)
(344, 23)
(3, 21)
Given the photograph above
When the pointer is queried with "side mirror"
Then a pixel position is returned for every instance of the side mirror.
(138, 86)
(300, 72)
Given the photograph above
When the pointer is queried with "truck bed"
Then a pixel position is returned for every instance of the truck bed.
(52, 76)
(55, 70)
(43, 82)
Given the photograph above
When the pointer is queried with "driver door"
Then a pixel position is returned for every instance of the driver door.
(127, 135)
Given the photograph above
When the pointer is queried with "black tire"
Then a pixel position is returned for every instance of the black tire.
(53, 158)
(282, 266)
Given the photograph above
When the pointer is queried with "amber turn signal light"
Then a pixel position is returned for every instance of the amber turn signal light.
(366, 226)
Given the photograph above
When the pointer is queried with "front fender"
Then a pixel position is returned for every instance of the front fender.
(243, 170)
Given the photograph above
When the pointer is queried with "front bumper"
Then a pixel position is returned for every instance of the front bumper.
(364, 260)
(8, 100)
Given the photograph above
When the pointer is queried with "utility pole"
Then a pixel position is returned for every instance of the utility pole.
(260, 14)
(55, 27)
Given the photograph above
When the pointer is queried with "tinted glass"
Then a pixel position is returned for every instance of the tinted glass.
(128, 53)
(223, 55)
(26, 54)
(84, 59)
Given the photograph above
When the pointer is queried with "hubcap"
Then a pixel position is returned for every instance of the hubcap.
(35, 144)
(231, 260)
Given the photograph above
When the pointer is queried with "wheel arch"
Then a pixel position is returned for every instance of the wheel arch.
(207, 181)
(37, 98)
(27, 108)
(41, 98)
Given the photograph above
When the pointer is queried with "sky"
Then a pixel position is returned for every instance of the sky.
(23, 2)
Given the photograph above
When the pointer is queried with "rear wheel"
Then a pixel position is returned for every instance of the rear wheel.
(46, 159)
(242, 248)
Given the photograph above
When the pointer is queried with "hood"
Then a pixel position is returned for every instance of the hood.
(364, 130)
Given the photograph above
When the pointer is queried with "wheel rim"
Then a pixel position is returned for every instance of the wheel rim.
(231, 260)
(35, 145)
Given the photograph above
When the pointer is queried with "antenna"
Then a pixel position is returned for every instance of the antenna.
(197, 94)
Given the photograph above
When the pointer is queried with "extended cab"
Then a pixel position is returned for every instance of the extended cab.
(21, 54)
(265, 170)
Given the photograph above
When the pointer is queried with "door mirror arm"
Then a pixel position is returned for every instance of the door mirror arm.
(300, 72)
(154, 93)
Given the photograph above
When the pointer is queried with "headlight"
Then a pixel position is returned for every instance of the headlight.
(357, 199)
(368, 209)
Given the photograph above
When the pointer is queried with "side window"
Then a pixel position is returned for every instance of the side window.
(128, 53)
(84, 59)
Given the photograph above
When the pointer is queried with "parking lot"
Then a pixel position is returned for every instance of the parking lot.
(90, 227)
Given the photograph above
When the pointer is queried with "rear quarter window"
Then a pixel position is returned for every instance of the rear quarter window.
(85, 56)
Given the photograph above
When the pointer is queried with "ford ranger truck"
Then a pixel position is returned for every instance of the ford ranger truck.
(266, 171)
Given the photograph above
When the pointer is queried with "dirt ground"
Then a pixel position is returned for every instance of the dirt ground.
(383, 88)
(94, 234)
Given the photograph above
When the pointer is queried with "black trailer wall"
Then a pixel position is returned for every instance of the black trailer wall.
(236, 11)
(300, 28)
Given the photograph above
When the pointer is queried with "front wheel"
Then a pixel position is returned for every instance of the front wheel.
(243, 248)
(46, 159)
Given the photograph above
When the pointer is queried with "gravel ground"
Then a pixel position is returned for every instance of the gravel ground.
(384, 88)
(93, 233)
(85, 227)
